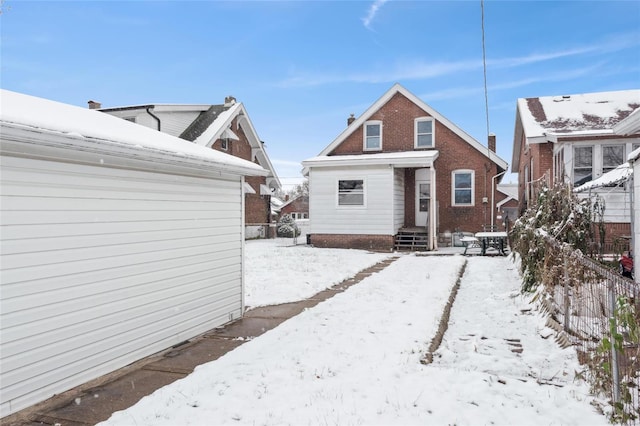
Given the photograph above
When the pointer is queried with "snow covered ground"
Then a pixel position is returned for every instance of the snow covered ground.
(355, 358)
(277, 271)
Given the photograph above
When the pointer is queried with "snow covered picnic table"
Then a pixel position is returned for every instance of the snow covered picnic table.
(470, 242)
(496, 240)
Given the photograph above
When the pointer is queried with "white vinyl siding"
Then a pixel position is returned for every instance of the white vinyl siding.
(398, 199)
(329, 218)
(617, 203)
(101, 267)
(174, 123)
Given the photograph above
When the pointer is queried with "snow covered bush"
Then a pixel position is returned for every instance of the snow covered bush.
(560, 214)
(287, 227)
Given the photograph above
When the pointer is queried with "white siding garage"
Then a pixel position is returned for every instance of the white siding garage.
(111, 249)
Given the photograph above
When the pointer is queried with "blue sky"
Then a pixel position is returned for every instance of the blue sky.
(301, 67)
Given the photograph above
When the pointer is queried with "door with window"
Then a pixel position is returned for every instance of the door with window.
(423, 199)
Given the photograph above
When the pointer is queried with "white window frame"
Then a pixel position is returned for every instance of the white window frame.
(609, 168)
(573, 168)
(364, 193)
(416, 134)
(472, 189)
(224, 144)
(365, 136)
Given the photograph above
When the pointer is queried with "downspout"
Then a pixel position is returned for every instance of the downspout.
(493, 196)
(631, 183)
(149, 108)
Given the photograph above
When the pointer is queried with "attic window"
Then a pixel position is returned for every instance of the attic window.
(224, 144)
(373, 135)
(423, 132)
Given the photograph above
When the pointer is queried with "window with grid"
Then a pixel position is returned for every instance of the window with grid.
(462, 188)
(612, 157)
(582, 164)
(373, 136)
(424, 133)
(351, 192)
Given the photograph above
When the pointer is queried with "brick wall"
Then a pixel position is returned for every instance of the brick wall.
(617, 238)
(299, 205)
(362, 242)
(257, 208)
(398, 116)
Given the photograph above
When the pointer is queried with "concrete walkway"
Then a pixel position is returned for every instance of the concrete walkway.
(95, 401)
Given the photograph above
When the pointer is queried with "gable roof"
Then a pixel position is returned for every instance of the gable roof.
(292, 199)
(202, 123)
(509, 189)
(629, 125)
(547, 118)
(212, 123)
(583, 114)
(80, 129)
(398, 88)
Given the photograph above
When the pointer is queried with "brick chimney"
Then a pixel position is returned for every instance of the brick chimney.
(351, 119)
(229, 101)
(94, 105)
(492, 142)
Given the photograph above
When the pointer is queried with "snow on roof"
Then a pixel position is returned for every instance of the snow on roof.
(215, 130)
(586, 113)
(395, 158)
(614, 177)
(49, 116)
(510, 189)
(629, 125)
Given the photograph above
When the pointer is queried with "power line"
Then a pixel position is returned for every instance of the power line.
(484, 66)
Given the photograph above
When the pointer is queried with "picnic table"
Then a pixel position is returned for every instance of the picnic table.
(470, 242)
(496, 240)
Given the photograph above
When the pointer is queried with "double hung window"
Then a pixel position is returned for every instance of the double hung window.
(351, 192)
(463, 187)
(582, 164)
(424, 132)
(612, 157)
(373, 136)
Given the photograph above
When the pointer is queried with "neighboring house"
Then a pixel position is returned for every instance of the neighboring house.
(226, 128)
(117, 242)
(506, 205)
(572, 138)
(297, 207)
(401, 167)
(276, 205)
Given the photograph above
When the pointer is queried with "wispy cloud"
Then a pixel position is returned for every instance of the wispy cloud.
(424, 70)
(372, 12)
(460, 92)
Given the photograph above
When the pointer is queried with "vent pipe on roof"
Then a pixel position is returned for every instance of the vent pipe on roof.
(94, 105)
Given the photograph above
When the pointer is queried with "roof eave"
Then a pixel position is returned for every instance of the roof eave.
(25, 141)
